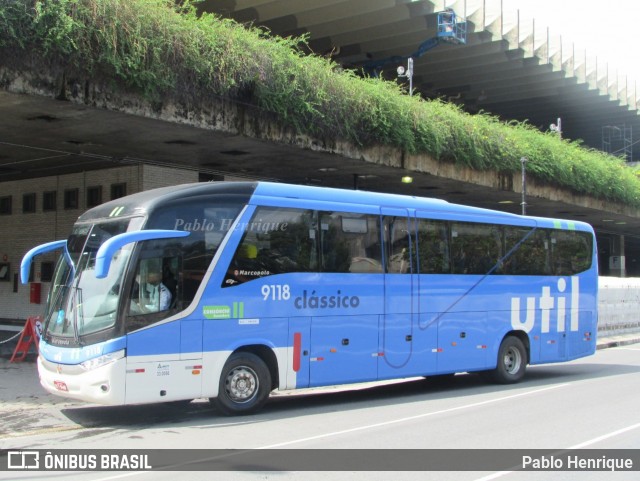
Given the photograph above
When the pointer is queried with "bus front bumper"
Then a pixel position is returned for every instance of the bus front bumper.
(102, 385)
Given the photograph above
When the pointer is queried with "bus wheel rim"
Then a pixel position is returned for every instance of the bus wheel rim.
(512, 360)
(242, 384)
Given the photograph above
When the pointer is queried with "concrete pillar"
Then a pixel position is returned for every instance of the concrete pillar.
(617, 265)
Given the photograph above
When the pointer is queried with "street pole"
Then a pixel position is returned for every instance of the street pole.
(408, 74)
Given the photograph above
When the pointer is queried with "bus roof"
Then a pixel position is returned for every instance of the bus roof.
(299, 194)
(303, 196)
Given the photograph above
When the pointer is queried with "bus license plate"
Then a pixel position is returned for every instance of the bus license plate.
(61, 386)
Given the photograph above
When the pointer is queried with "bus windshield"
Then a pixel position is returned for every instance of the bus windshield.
(82, 304)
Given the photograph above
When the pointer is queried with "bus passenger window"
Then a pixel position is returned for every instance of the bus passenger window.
(570, 252)
(476, 248)
(399, 246)
(276, 241)
(529, 252)
(433, 247)
(350, 243)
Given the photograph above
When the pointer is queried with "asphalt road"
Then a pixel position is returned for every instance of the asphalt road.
(592, 403)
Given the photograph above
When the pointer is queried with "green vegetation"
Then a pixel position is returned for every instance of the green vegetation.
(160, 50)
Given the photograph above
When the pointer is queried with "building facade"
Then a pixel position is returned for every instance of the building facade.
(36, 211)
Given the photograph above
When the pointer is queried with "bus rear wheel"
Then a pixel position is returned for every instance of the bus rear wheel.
(512, 362)
(245, 384)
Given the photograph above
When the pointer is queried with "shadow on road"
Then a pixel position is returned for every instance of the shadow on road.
(317, 401)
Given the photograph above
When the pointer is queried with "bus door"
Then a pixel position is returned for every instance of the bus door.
(163, 357)
(345, 302)
(400, 336)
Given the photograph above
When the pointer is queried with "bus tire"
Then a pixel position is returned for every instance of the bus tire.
(512, 362)
(245, 384)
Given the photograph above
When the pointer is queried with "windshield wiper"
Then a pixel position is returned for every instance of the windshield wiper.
(77, 308)
(54, 306)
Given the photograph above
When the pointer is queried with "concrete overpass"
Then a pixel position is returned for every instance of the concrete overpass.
(509, 67)
(48, 125)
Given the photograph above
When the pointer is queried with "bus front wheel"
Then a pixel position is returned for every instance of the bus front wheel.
(512, 362)
(245, 384)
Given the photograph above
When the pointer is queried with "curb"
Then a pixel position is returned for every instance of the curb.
(617, 343)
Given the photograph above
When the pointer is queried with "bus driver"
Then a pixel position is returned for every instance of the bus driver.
(159, 297)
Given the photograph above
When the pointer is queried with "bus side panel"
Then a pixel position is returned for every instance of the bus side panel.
(553, 342)
(462, 341)
(156, 370)
(456, 309)
(558, 314)
(582, 341)
(191, 338)
(150, 379)
(160, 341)
(343, 349)
(409, 347)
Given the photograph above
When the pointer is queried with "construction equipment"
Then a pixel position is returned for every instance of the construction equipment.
(451, 29)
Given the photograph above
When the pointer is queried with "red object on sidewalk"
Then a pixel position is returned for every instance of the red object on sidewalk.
(30, 335)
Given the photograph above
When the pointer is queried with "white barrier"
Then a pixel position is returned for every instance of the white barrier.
(618, 305)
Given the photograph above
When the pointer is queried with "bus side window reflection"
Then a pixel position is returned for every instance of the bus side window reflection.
(275, 241)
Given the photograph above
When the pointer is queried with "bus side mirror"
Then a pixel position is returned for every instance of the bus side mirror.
(113, 245)
(25, 265)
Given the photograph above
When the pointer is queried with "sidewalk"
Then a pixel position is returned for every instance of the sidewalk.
(607, 341)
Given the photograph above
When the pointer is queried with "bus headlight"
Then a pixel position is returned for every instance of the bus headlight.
(102, 360)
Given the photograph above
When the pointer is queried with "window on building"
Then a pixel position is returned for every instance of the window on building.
(29, 203)
(5, 205)
(49, 201)
(94, 195)
(118, 190)
(71, 198)
(46, 271)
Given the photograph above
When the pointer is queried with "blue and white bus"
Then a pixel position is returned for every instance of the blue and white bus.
(271, 286)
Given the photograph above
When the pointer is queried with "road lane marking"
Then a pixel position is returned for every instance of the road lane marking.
(612, 434)
(606, 436)
(372, 426)
(411, 418)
